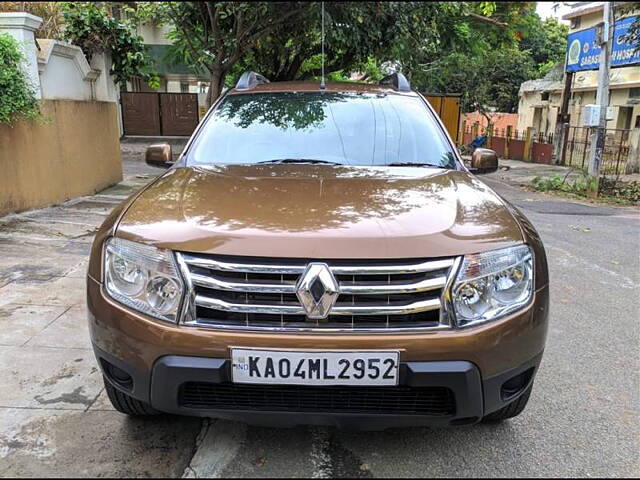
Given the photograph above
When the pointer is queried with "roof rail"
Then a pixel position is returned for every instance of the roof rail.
(249, 80)
(397, 81)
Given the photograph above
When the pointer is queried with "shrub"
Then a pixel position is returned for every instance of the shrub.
(17, 97)
(629, 191)
(90, 26)
(557, 182)
(608, 187)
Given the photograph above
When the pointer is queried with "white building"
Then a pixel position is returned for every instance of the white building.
(540, 99)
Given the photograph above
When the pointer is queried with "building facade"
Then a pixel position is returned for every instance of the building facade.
(540, 100)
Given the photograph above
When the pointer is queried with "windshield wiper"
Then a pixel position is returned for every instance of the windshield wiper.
(415, 164)
(301, 160)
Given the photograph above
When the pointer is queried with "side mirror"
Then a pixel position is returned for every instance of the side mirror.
(159, 155)
(484, 160)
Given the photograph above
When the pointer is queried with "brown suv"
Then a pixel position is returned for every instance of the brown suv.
(319, 256)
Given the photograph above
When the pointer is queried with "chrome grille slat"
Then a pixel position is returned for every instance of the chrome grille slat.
(393, 288)
(351, 288)
(285, 309)
(391, 269)
(260, 294)
(219, 284)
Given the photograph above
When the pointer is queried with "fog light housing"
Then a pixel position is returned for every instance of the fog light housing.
(117, 375)
(516, 384)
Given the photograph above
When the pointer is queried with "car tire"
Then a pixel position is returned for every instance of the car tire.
(514, 409)
(127, 404)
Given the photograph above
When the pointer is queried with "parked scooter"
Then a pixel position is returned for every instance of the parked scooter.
(477, 142)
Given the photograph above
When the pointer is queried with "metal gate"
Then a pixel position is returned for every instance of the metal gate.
(447, 106)
(140, 113)
(614, 156)
(157, 114)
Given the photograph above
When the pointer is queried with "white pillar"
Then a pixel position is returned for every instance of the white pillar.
(21, 26)
(106, 89)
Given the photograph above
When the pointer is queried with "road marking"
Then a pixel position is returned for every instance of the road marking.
(618, 280)
(217, 444)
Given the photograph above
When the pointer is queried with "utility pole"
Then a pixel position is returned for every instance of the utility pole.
(602, 99)
(562, 120)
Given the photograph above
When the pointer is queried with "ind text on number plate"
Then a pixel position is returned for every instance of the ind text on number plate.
(294, 367)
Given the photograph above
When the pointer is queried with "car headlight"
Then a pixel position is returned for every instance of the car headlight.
(143, 277)
(492, 284)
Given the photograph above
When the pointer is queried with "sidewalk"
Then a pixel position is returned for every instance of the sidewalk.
(53, 408)
(518, 173)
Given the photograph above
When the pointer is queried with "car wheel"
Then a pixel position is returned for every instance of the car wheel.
(127, 404)
(514, 409)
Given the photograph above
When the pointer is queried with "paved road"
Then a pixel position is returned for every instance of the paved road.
(583, 418)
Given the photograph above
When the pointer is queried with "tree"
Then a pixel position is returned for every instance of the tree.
(545, 40)
(425, 40)
(359, 36)
(488, 60)
(217, 35)
(492, 79)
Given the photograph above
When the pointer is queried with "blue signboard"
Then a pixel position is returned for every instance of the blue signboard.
(584, 54)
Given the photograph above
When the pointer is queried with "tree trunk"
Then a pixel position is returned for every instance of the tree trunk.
(215, 86)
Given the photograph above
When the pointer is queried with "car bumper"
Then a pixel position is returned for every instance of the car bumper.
(473, 363)
(470, 395)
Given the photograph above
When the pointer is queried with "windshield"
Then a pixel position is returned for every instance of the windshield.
(322, 127)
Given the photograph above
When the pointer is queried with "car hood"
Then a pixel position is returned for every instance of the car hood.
(320, 211)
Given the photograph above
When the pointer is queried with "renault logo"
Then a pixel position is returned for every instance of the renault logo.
(317, 290)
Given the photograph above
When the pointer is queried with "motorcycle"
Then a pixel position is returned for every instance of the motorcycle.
(477, 142)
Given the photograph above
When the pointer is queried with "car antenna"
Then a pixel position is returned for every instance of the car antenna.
(322, 85)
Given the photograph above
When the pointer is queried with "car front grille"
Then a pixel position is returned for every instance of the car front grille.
(242, 293)
(431, 401)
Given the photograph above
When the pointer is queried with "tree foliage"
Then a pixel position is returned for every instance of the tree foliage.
(357, 35)
(93, 28)
(17, 97)
(546, 41)
(482, 49)
(217, 35)
(490, 80)
(488, 61)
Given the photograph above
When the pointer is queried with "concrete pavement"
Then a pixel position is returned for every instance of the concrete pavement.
(519, 173)
(55, 419)
(582, 420)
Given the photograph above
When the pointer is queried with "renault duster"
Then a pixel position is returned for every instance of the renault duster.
(319, 256)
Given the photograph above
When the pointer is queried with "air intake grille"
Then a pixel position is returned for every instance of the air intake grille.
(236, 292)
(431, 401)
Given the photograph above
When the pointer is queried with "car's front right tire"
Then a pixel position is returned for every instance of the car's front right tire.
(127, 404)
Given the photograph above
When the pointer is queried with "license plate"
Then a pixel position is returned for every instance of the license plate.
(295, 367)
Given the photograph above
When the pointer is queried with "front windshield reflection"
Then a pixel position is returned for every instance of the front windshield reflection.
(345, 128)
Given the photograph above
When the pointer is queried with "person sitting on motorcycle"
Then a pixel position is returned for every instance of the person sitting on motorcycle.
(479, 141)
